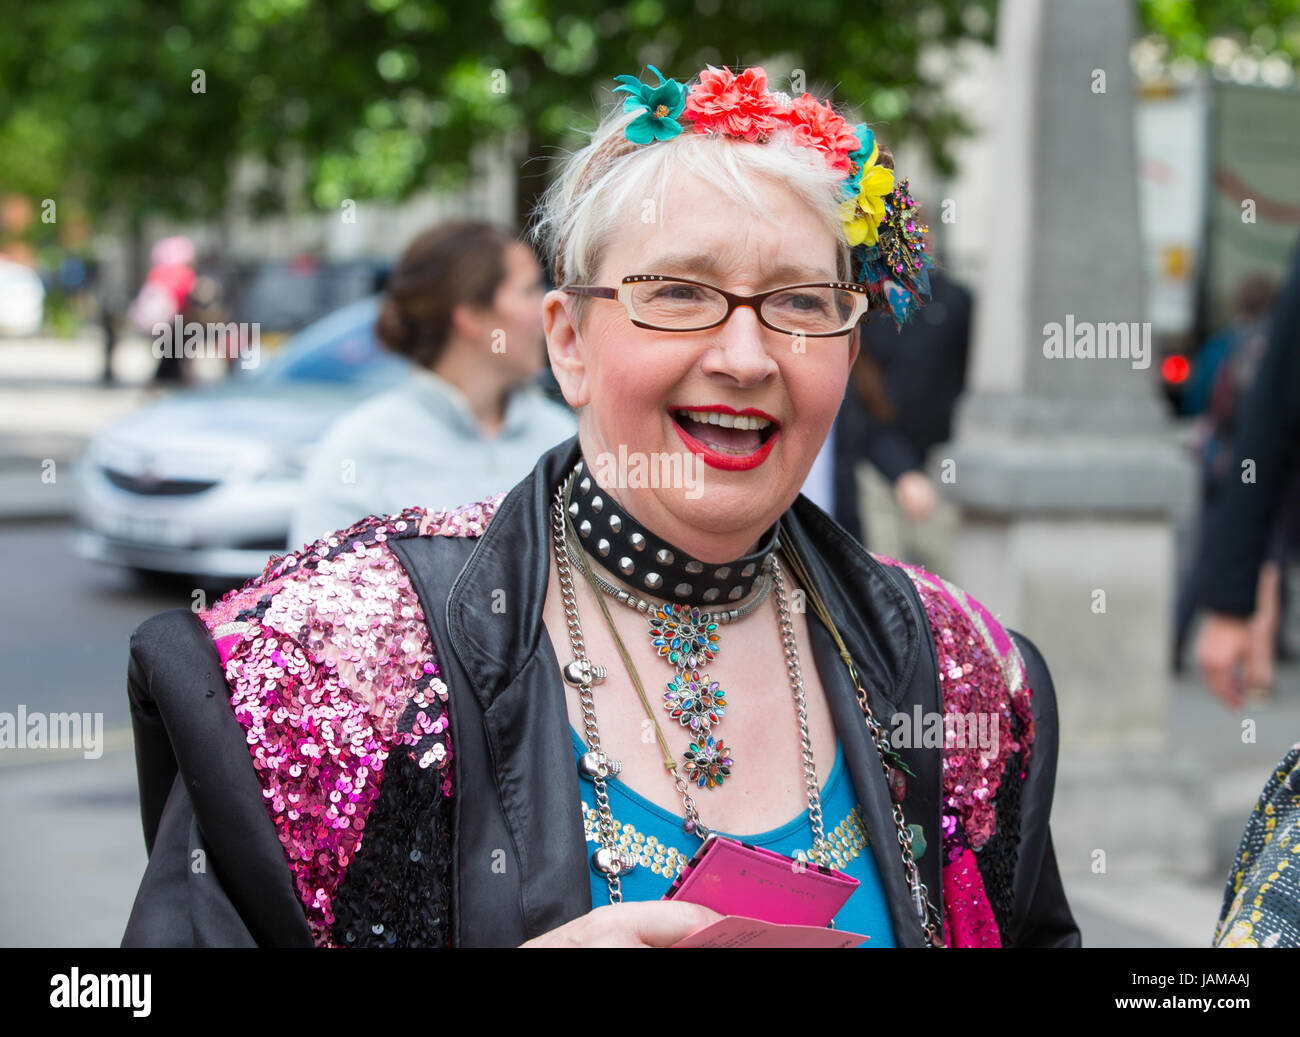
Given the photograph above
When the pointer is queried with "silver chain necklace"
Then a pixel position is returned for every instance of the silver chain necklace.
(685, 638)
(581, 673)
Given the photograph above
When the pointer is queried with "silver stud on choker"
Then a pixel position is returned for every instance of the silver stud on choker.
(636, 555)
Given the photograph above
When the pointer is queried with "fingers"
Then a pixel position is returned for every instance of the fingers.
(915, 495)
(1221, 651)
(655, 923)
(1219, 676)
(665, 922)
(1225, 684)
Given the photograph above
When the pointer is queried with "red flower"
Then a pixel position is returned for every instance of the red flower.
(816, 125)
(738, 106)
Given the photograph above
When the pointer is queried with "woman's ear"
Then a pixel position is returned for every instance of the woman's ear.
(564, 346)
(470, 321)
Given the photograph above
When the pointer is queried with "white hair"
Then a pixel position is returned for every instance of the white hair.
(584, 207)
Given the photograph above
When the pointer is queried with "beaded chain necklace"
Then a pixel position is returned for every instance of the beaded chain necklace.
(683, 634)
(597, 766)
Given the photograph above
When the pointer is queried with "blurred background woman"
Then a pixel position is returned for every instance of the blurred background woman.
(464, 305)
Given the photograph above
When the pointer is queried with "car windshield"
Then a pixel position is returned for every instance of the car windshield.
(338, 349)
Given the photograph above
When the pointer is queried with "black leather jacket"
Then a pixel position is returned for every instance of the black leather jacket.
(510, 859)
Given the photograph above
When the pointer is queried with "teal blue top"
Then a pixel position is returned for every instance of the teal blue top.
(662, 848)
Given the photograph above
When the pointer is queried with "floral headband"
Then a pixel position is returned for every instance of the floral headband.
(881, 224)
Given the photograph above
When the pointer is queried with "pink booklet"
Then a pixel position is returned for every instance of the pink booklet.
(734, 931)
(766, 895)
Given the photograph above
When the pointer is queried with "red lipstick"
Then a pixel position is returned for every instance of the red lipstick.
(722, 408)
(727, 462)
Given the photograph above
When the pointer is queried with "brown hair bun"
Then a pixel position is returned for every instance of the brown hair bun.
(456, 263)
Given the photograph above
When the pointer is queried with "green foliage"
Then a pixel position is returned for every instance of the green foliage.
(1273, 26)
(375, 99)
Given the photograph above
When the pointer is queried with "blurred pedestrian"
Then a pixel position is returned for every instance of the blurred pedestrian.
(97, 283)
(905, 386)
(1253, 301)
(1225, 373)
(211, 303)
(162, 299)
(464, 305)
(1245, 523)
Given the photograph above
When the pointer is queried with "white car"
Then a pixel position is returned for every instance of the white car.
(203, 482)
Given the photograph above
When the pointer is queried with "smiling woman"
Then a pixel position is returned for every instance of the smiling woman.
(418, 703)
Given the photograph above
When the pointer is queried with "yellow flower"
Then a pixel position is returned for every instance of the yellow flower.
(862, 215)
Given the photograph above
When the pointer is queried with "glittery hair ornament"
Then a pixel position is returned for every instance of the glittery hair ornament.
(885, 234)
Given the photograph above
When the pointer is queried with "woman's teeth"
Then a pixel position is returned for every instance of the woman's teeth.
(712, 417)
(737, 434)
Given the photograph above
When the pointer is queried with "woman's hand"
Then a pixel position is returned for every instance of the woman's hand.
(1222, 647)
(916, 495)
(652, 923)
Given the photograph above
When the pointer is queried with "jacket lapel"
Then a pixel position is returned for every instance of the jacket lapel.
(886, 638)
(494, 627)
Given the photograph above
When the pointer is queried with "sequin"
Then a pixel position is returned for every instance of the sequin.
(969, 921)
(846, 842)
(334, 680)
(331, 672)
(981, 676)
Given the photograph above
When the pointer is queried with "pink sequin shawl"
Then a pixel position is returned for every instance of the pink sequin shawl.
(325, 653)
(331, 670)
(981, 674)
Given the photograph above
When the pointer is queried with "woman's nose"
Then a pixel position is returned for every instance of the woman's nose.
(740, 348)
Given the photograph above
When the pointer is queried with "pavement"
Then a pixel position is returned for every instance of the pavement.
(73, 851)
(72, 854)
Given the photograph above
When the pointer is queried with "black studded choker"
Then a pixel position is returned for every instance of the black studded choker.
(636, 556)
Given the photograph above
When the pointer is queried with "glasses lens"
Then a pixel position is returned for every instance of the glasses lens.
(677, 305)
(811, 310)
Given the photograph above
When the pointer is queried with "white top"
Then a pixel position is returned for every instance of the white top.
(819, 486)
(421, 444)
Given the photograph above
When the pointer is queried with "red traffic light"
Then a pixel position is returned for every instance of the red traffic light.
(1175, 369)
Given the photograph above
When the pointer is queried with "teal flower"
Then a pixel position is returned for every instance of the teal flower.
(860, 158)
(659, 106)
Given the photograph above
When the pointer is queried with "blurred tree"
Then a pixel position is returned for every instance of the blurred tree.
(143, 106)
(1268, 28)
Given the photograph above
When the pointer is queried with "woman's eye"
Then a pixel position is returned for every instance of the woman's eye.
(682, 292)
(805, 303)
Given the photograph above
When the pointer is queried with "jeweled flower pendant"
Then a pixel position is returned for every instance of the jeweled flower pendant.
(688, 639)
(694, 701)
(683, 635)
(708, 762)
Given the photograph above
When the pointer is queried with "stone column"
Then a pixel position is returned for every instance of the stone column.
(1064, 463)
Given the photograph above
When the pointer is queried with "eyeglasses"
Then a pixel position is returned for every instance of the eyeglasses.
(659, 303)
